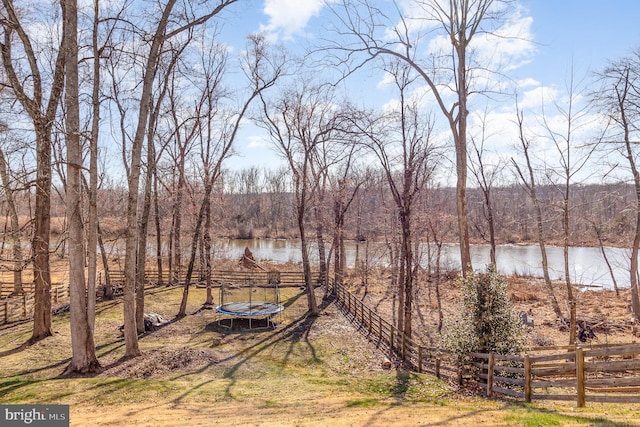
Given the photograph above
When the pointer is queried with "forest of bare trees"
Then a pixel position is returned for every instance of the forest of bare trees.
(157, 89)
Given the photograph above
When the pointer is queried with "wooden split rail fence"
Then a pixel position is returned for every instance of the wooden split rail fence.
(283, 278)
(16, 308)
(597, 373)
(418, 357)
(20, 307)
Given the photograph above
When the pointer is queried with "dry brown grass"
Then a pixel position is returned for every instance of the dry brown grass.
(608, 315)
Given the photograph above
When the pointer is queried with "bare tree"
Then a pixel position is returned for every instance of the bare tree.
(328, 155)
(93, 227)
(83, 357)
(528, 180)
(405, 149)
(92, 224)
(26, 80)
(485, 174)
(165, 87)
(263, 69)
(446, 71)
(345, 184)
(619, 99)
(437, 233)
(299, 123)
(9, 188)
(572, 159)
(169, 25)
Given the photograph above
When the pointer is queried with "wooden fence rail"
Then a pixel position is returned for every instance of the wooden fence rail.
(421, 358)
(599, 373)
(222, 276)
(20, 307)
(15, 308)
(605, 374)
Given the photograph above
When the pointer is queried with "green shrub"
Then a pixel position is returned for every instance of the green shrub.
(485, 320)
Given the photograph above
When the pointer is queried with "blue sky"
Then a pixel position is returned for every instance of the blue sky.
(589, 32)
(584, 34)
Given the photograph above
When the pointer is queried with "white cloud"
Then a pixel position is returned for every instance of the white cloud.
(509, 46)
(289, 17)
(527, 82)
(258, 141)
(535, 98)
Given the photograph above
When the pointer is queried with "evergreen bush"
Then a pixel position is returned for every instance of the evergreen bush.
(485, 320)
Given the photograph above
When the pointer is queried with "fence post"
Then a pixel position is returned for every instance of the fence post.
(490, 367)
(404, 347)
(580, 376)
(437, 367)
(527, 378)
(391, 338)
(6, 310)
(380, 327)
(24, 304)
(369, 320)
(419, 359)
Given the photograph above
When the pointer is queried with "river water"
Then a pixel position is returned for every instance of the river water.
(587, 265)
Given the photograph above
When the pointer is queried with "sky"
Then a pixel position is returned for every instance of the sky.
(563, 35)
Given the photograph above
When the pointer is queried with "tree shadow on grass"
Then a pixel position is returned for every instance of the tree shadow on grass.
(292, 334)
(18, 349)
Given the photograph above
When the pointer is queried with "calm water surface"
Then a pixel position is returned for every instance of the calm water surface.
(587, 266)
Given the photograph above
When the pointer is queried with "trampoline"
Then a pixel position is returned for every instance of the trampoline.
(258, 304)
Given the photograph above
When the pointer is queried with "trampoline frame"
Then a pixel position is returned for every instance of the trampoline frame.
(251, 309)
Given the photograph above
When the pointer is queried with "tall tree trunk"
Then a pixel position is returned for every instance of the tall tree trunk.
(42, 119)
(492, 230)
(158, 230)
(338, 268)
(573, 326)
(460, 140)
(194, 246)
(177, 227)
(322, 253)
(40, 244)
(92, 232)
(406, 273)
(633, 272)
(207, 251)
(142, 246)
(132, 348)
(16, 241)
(306, 266)
(83, 357)
(402, 283)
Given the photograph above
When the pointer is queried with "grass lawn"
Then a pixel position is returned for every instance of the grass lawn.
(307, 372)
